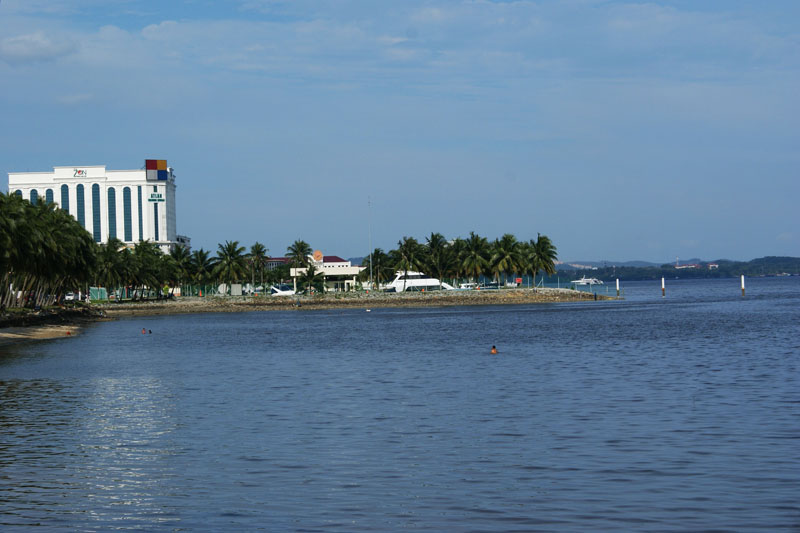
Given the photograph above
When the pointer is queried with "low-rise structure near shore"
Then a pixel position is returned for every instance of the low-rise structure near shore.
(339, 274)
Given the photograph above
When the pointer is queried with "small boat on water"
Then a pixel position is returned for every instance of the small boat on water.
(587, 281)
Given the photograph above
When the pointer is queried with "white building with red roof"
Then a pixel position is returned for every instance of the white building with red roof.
(339, 274)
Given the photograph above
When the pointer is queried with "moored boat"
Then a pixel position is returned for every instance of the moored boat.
(587, 281)
(409, 280)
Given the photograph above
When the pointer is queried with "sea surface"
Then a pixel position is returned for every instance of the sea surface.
(679, 413)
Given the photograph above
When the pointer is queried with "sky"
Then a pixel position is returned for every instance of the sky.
(622, 130)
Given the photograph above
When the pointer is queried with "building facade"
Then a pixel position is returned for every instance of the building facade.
(339, 274)
(130, 205)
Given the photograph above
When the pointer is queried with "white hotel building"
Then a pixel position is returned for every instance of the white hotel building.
(131, 205)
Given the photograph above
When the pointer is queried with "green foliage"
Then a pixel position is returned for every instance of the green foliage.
(382, 267)
(298, 253)
(44, 253)
(257, 262)
(475, 256)
(230, 266)
(310, 279)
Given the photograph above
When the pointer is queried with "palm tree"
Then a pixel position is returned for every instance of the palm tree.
(506, 256)
(200, 266)
(439, 257)
(541, 256)
(257, 256)
(145, 267)
(109, 264)
(381, 268)
(183, 259)
(230, 263)
(43, 252)
(311, 278)
(475, 256)
(408, 256)
(298, 253)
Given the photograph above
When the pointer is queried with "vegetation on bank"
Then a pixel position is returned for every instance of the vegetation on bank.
(470, 258)
(45, 253)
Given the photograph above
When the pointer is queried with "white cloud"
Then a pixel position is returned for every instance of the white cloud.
(34, 47)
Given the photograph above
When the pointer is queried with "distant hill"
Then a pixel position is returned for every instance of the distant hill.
(693, 268)
(689, 268)
(581, 265)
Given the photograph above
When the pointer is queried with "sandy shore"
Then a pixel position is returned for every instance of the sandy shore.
(346, 301)
(34, 333)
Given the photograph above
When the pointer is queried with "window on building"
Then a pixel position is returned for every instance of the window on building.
(127, 219)
(96, 213)
(34, 196)
(112, 213)
(18, 193)
(141, 224)
(48, 196)
(65, 198)
(81, 205)
(155, 219)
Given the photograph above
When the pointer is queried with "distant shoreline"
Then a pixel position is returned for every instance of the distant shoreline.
(346, 301)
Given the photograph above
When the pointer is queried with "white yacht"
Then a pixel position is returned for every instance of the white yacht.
(409, 280)
(587, 281)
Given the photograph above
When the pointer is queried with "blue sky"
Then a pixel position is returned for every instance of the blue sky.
(622, 130)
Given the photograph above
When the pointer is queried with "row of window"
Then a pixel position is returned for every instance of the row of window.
(112, 209)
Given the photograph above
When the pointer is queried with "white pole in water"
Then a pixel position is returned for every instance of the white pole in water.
(742, 284)
(369, 230)
(663, 291)
(617, 287)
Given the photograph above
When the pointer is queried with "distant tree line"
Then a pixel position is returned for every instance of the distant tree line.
(469, 258)
(45, 253)
(764, 266)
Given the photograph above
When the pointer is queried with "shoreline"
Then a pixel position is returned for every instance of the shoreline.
(15, 335)
(188, 305)
(55, 324)
(52, 323)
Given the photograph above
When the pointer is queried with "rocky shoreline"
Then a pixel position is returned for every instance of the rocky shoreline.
(346, 301)
(57, 323)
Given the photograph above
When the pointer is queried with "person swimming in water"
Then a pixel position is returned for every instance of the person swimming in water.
(494, 350)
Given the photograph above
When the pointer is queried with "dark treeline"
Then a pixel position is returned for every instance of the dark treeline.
(764, 266)
(45, 253)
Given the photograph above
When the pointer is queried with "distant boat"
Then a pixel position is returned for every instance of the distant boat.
(587, 281)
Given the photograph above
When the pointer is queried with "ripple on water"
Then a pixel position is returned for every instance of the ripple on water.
(636, 415)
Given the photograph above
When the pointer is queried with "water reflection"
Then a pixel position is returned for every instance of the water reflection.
(105, 442)
(642, 414)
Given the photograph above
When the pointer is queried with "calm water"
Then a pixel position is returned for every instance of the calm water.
(649, 414)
